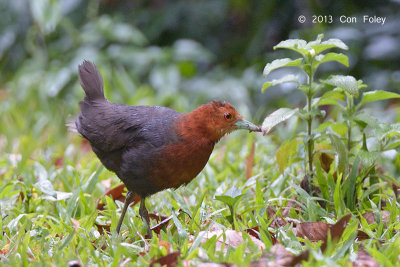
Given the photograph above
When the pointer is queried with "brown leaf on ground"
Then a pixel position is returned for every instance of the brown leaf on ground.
(168, 260)
(254, 231)
(396, 190)
(250, 161)
(75, 223)
(103, 228)
(364, 259)
(6, 248)
(276, 221)
(280, 256)
(326, 161)
(189, 263)
(370, 218)
(362, 235)
(163, 222)
(315, 231)
(230, 238)
(165, 244)
(117, 194)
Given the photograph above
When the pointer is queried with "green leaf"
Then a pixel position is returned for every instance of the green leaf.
(92, 181)
(350, 185)
(364, 120)
(330, 98)
(341, 58)
(277, 117)
(297, 45)
(231, 196)
(340, 148)
(338, 127)
(368, 158)
(280, 63)
(331, 43)
(286, 79)
(338, 196)
(347, 83)
(377, 95)
(334, 94)
(287, 150)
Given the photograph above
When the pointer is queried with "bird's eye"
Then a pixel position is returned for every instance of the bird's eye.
(227, 116)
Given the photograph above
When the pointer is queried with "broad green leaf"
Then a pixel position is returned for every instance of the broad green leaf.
(331, 43)
(378, 95)
(297, 45)
(277, 117)
(347, 83)
(364, 120)
(230, 197)
(340, 148)
(335, 94)
(343, 59)
(287, 150)
(280, 63)
(368, 158)
(327, 101)
(338, 127)
(286, 79)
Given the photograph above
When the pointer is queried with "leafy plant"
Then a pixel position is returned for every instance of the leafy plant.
(346, 138)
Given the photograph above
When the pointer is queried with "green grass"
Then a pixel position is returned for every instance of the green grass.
(50, 184)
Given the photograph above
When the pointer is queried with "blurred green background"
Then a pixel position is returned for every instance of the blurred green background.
(172, 53)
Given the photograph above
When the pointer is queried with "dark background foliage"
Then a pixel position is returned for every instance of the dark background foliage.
(183, 53)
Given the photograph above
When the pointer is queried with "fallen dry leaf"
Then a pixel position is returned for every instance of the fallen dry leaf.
(364, 259)
(315, 231)
(362, 235)
(117, 194)
(280, 256)
(168, 260)
(396, 190)
(232, 238)
(165, 244)
(254, 231)
(75, 223)
(370, 218)
(276, 221)
(164, 221)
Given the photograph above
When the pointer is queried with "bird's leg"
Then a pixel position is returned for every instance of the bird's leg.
(144, 214)
(128, 200)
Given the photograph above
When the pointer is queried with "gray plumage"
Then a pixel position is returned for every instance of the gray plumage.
(124, 138)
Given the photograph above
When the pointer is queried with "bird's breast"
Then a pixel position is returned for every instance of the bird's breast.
(179, 163)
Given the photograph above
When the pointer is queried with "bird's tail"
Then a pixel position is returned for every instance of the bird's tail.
(91, 81)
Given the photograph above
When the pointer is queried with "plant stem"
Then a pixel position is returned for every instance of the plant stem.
(350, 113)
(310, 143)
(348, 136)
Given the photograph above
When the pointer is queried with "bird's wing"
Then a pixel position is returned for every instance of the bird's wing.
(111, 127)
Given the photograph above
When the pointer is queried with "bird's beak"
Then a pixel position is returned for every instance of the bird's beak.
(243, 124)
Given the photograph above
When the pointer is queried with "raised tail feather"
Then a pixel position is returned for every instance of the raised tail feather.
(91, 81)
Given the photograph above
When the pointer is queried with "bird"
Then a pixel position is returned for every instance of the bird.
(150, 148)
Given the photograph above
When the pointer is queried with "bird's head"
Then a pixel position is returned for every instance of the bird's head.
(215, 119)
